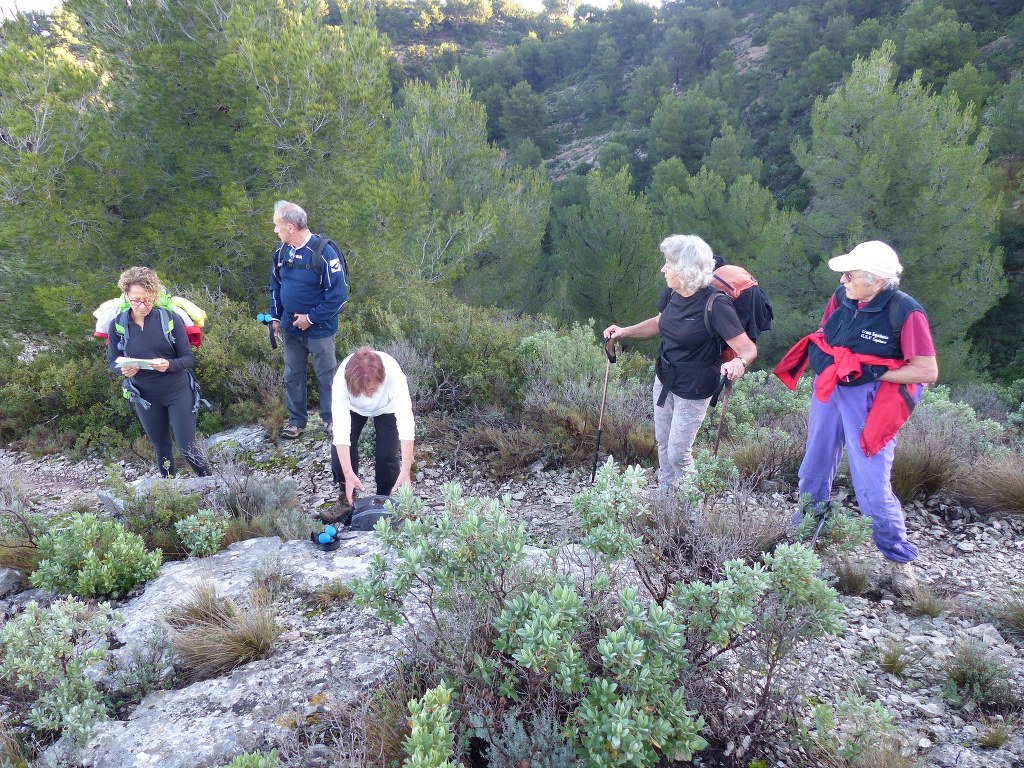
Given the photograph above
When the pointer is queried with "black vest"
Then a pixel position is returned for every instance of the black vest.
(871, 330)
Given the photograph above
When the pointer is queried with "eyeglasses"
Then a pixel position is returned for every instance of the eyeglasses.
(141, 302)
(850, 276)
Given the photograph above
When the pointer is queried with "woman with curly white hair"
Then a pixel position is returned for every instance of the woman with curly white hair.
(690, 364)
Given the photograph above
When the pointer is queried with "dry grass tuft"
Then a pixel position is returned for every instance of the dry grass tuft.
(214, 635)
(775, 455)
(927, 602)
(924, 462)
(12, 752)
(897, 658)
(852, 576)
(386, 719)
(996, 485)
(334, 593)
(995, 731)
(887, 753)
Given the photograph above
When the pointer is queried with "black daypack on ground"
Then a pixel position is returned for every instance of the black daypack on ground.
(367, 510)
(316, 263)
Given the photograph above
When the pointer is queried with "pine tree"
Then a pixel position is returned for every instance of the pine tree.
(892, 161)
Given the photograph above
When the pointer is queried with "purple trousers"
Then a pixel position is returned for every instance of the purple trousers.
(839, 423)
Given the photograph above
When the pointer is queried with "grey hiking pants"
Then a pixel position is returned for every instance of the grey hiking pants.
(675, 428)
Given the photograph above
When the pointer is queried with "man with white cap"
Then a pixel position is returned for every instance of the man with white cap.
(872, 355)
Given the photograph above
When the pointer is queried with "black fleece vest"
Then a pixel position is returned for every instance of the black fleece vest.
(871, 330)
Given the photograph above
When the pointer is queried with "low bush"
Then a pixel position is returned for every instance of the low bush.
(44, 655)
(20, 527)
(850, 729)
(136, 672)
(635, 675)
(64, 398)
(154, 513)
(202, 534)
(995, 483)
(977, 673)
(844, 530)
(93, 558)
(256, 760)
(214, 635)
(430, 741)
(938, 444)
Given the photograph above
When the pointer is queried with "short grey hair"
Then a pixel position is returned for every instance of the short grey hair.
(291, 213)
(890, 282)
(691, 259)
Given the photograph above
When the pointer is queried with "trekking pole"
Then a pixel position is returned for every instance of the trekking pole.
(724, 388)
(823, 513)
(268, 321)
(609, 351)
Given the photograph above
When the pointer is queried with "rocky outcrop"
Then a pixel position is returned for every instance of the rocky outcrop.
(318, 662)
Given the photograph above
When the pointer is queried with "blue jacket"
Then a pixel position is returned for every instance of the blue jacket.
(296, 288)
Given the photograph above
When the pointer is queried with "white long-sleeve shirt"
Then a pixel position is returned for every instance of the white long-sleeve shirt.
(392, 397)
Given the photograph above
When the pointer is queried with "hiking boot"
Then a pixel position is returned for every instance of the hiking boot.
(902, 578)
(339, 513)
(291, 432)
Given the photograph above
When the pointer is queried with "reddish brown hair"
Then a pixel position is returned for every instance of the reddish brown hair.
(364, 372)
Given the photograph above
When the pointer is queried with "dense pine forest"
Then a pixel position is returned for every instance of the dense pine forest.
(493, 172)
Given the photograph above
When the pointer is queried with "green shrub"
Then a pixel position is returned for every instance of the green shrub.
(153, 514)
(45, 652)
(844, 529)
(977, 673)
(848, 729)
(473, 350)
(256, 760)
(430, 740)
(94, 558)
(202, 533)
(565, 385)
(65, 396)
(591, 645)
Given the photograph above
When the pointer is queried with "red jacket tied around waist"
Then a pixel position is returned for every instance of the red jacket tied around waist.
(891, 407)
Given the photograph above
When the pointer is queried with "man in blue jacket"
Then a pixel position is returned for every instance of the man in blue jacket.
(306, 296)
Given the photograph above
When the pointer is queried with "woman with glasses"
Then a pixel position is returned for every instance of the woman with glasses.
(148, 346)
(872, 354)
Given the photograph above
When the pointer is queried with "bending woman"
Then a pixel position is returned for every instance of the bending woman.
(689, 361)
(165, 395)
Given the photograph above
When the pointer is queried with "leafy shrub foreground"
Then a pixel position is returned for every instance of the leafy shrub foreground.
(94, 558)
(635, 678)
(44, 655)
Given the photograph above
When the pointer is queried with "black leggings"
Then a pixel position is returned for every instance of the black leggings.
(386, 457)
(172, 410)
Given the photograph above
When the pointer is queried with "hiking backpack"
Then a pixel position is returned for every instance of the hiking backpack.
(753, 307)
(316, 263)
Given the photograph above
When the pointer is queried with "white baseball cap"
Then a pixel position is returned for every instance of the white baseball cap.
(873, 256)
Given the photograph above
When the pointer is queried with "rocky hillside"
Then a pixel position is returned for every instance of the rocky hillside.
(327, 657)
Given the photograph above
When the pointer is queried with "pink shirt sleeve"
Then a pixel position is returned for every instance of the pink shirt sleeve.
(916, 337)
